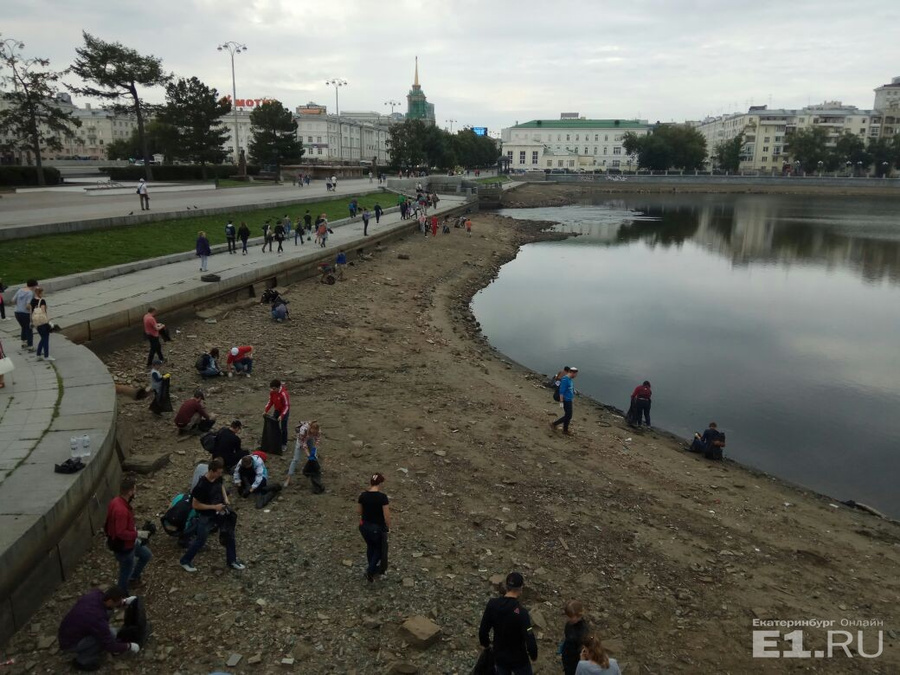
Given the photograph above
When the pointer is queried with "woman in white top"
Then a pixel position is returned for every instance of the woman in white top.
(595, 661)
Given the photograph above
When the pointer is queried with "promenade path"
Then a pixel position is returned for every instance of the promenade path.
(45, 208)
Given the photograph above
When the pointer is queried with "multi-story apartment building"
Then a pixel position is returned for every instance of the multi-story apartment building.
(572, 144)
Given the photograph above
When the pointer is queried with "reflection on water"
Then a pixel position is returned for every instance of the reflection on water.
(777, 317)
(859, 234)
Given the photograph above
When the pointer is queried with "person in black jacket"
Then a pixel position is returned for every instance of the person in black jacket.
(228, 445)
(576, 630)
(514, 640)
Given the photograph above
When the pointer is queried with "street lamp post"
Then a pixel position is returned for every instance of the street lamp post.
(393, 105)
(337, 83)
(885, 168)
(233, 48)
(859, 167)
(451, 123)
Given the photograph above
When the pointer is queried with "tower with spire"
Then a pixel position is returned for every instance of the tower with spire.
(417, 106)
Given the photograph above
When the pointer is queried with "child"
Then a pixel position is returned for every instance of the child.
(576, 630)
(469, 226)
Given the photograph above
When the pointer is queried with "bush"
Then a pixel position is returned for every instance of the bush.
(27, 175)
(176, 172)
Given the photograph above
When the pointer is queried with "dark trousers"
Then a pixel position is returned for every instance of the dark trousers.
(641, 408)
(24, 319)
(565, 419)
(298, 233)
(155, 349)
(280, 246)
(377, 217)
(204, 524)
(43, 347)
(244, 245)
(372, 534)
(232, 244)
(145, 201)
(132, 564)
(365, 226)
(284, 427)
(89, 653)
(2, 310)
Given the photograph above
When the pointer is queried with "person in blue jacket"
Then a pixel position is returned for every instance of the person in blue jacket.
(567, 396)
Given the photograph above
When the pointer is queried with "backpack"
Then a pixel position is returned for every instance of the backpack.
(175, 520)
(202, 362)
(208, 440)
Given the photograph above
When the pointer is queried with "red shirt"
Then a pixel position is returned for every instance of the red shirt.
(242, 352)
(187, 411)
(280, 400)
(120, 522)
(642, 391)
(150, 325)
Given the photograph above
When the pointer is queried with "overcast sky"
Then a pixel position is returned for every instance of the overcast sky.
(495, 62)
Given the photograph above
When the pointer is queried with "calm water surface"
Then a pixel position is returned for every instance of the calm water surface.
(776, 316)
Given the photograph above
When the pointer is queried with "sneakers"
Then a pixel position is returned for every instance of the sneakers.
(237, 565)
(48, 358)
(188, 567)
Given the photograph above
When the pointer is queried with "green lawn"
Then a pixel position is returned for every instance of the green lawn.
(502, 178)
(57, 255)
(229, 183)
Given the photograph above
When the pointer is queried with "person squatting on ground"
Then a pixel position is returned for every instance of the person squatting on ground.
(208, 364)
(193, 415)
(210, 501)
(710, 443)
(514, 641)
(567, 396)
(151, 332)
(240, 359)
(251, 477)
(575, 631)
(640, 401)
(227, 445)
(40, 320)
(280, 402)
(86, 632)
(22, 300)
(122, 537)
(374, 523)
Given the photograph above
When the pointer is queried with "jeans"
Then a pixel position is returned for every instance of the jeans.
(365, 226)
(298, 233)
(2, 310)
(298, 455)
(145, 202)
(210, 372)
(243, 245)
(245, 364)
(89, 651)
(232, 246)
(203, 260)
(44, 343)
(24, 319)
(520, 670)
(641, 407)
(204, 524)
(155, 349)
(372, 535)
(566, 418)
(131, 564)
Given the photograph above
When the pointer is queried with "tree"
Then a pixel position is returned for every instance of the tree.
(162, 139)
(407, 143)
(668, 146)
(728, 154)
(274, 133)
(850, 150)
(883, 153)
(32, 119)
(195, 111)
(809, 147)
(113, 72)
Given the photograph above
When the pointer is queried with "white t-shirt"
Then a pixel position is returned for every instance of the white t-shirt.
(591, 668)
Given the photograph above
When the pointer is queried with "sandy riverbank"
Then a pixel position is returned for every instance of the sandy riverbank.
(673, 556)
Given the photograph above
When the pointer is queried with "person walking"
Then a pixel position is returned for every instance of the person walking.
(370, 176)
(243, 235)
(365, 218)
(6, 366)
(556, 380)
(143, 195)
(279, 237)
(307, 222)
(210, 501)
(151, 332)
(203, 250)
(122, 536)
(306, 444)
(280, 402)
(230, 236)
(640, 402)
(22, 300)
(595, 660)
(374, 524)
(434, 226)
(575, 631)
(85, 630)
(514, 641)
(334, 183)
(268, 236)
(40, 319)
(567, 394)
(298, 232)
(469, 226)
(378, 212)
(322, 232)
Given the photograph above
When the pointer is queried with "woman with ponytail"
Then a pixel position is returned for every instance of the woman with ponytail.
(594, 660)
(374, 524)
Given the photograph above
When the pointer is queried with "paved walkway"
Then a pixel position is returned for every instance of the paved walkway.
(44, 208)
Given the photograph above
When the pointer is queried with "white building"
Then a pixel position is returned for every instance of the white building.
(573, 144)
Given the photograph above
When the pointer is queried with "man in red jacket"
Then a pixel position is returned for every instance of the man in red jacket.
(640, 400)
(85, 630)
(122, 537)
(279, 399)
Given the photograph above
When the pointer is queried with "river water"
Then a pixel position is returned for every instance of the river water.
(778, 317)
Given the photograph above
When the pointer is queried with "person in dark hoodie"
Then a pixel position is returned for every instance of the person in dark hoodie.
(85, 630)
(228, 445)
(514, 641)
(576, 630)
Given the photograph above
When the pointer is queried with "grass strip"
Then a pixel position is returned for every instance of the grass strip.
(56, 255)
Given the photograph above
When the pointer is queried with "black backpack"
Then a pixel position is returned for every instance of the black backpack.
(202, 362)
(208, 440)
(175, 520)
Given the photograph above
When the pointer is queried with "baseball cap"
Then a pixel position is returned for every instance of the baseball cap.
(514, 580)
(198, 393)
(573, 369)
(234, 351)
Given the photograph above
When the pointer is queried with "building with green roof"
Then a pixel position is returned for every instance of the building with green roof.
(417, 106)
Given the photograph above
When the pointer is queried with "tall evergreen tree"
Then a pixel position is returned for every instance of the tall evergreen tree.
(32, 119)
(113, 72)
(195, 111)
(274, 135)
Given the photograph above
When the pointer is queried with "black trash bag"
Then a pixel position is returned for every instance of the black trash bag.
(313, 470)
(227, 521)
(383, 561)
(485, 663)
(271, 436)
(631, 414)
(165, 335)
(136, 627)
(162, 402)
(69, 466)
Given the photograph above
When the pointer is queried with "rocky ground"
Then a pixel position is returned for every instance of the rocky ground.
(673, 556)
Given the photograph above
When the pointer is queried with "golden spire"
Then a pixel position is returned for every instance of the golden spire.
(416, 82)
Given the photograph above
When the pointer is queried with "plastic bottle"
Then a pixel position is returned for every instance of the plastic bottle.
(85, 446)
(74, 447)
